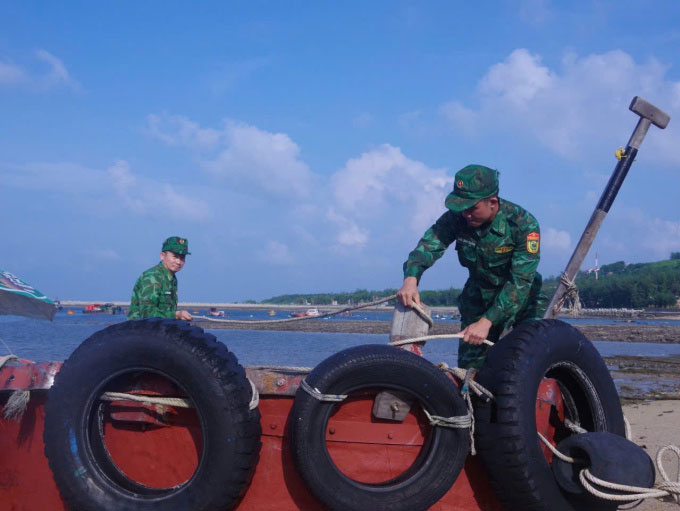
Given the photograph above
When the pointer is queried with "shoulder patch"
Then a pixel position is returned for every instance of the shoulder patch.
(533, 242)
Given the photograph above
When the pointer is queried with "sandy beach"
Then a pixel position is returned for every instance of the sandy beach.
(654, 425)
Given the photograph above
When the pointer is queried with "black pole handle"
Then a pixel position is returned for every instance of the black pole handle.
(649, 114)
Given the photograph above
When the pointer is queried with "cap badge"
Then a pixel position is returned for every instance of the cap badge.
(181, 241)
(459, 184)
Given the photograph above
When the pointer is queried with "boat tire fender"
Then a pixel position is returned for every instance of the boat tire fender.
(378, 367)
(203, 368)
(505, 428)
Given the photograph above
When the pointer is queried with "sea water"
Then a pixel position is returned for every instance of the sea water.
(42, 341)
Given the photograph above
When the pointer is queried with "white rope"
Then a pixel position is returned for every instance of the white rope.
(662, 489)
(16, 404)
(570, 294)
(643, 493)
(254, 397)
(460, 374)
(429, 337)
(456, 422)
(316, 393)
(179, 402)
(629, 429)
(675, 486)
(573, 427)
(318, 316)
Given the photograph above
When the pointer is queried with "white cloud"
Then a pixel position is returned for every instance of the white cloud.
(518, 80)
(116, 188)
(578, 105)
(379, 180)
(270, 161)
(276, 253)
(349, 234)
(178, 130)
(555, 240)
(56, 75)
(240, 155)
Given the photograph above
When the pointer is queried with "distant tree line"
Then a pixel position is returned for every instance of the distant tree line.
(618, 285)
(447, 297)
(632, 286)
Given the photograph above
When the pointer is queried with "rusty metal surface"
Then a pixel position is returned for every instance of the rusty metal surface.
(28, 375)
(275, 381)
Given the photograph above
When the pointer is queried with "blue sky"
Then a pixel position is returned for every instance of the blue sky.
(306, 146)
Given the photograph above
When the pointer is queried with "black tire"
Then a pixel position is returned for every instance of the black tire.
(199, 365)
(378, 366)
(505, 428)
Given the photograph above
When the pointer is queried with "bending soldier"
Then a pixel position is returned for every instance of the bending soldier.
(499, 243)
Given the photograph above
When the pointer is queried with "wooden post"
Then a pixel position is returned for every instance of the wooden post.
(407, 324)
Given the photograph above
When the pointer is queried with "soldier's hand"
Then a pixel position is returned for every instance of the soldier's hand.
(183, 315)
(409, 292)
(477, 332)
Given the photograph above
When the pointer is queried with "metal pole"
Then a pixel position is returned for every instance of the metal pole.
(649, 114)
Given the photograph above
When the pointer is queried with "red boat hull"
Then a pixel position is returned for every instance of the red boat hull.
(364, 449)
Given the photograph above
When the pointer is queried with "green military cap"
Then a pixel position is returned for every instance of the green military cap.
(472, 184)
(177, 245)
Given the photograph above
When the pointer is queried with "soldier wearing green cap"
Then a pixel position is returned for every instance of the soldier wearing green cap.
(155, 292)
(499, 243)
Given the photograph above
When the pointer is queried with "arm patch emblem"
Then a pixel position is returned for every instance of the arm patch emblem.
(533, 242)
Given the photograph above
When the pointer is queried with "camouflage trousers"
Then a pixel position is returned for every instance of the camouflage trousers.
(472, 355)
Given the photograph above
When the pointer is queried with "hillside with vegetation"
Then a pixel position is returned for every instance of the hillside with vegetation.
(633, 286)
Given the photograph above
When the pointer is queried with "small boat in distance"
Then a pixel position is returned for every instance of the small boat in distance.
(214, 312)
(307, 313)
(99, 308)
(272, 313)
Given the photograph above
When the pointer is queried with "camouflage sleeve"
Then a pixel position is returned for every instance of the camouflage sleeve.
(145, 302)
(515, 292)
(431, 246)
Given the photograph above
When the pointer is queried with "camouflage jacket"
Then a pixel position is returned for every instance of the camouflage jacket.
(154, 294)
(501, 258)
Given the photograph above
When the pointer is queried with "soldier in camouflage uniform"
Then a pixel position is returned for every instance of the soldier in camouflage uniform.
(155, 292)
(498, 242)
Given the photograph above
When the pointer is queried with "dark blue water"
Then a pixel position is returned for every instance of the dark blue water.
(44, 341)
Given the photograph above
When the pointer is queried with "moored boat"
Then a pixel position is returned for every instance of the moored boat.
(306, 314)
(366, 427)
(102, 308)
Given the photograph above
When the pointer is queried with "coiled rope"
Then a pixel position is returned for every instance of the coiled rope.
(665, 488)
(570, 294)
